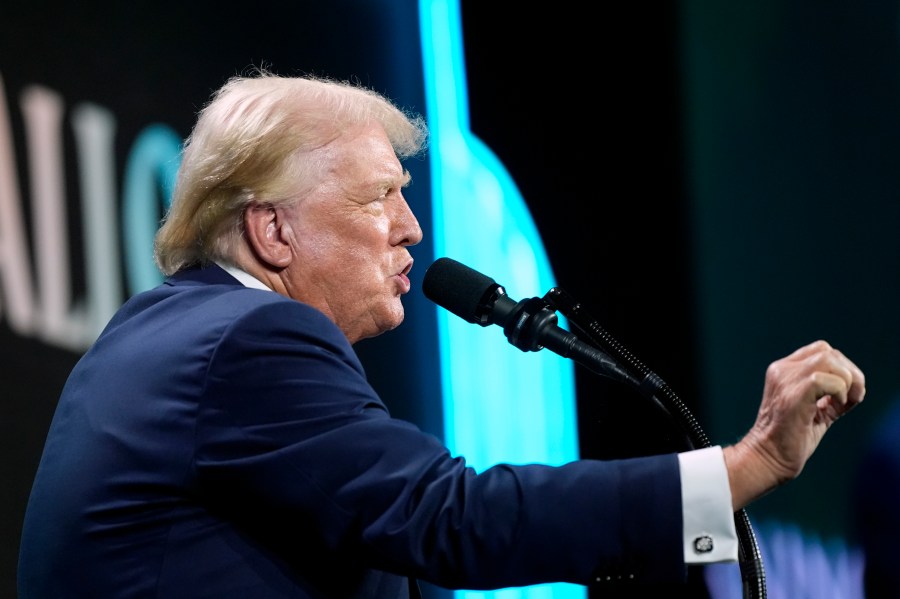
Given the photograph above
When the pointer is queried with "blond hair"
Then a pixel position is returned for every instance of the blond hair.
(248, 146)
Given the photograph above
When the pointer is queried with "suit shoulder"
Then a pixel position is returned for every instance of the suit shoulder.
(266, 314)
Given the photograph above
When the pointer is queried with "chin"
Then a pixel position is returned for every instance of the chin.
(394, 318)
(383, 322)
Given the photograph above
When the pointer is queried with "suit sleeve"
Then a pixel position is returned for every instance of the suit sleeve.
(293, 441)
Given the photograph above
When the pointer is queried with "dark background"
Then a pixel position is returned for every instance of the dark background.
(585, 115)
(717, 184)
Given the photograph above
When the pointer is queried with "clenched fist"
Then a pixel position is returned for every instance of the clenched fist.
(804, 394)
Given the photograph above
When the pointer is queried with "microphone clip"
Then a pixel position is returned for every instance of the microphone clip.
(527, 323)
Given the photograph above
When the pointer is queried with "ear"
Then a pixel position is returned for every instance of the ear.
(265, 228)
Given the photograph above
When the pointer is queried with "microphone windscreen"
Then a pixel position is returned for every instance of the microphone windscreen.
(458, 288)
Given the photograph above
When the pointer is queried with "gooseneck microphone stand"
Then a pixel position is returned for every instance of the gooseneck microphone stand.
(529, 326)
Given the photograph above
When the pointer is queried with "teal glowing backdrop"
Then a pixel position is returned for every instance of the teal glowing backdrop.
(500, 404)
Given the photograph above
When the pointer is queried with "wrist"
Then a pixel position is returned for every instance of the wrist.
(749, 477)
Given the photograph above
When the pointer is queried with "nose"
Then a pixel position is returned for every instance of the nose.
(406, 230)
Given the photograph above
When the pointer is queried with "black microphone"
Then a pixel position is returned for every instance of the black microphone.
(528, 324)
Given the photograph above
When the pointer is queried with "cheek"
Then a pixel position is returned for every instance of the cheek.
(319, 245)
(344, 266)
(346, 248)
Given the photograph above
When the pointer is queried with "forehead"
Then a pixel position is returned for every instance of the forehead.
(364, 155)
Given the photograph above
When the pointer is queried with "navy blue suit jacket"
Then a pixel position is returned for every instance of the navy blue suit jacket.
(222, 441)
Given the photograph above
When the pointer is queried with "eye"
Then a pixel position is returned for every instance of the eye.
(388, 193)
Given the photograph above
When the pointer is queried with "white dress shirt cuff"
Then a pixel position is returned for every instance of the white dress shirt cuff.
(710, 535)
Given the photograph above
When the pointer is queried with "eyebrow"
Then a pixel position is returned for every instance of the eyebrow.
(387, 183)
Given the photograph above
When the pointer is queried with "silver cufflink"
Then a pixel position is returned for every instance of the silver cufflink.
(703, 544)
